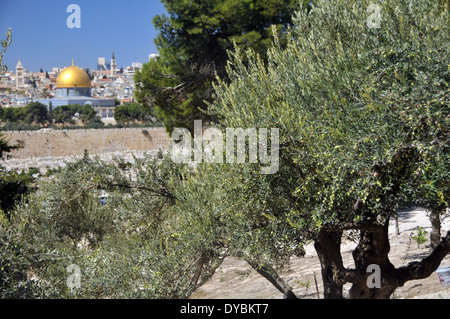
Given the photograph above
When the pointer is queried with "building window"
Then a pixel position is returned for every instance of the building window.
(103, 113)
(110, 113)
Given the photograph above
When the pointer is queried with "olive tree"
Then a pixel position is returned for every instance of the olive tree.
(363, 121)
(123, 226)
(362, 110)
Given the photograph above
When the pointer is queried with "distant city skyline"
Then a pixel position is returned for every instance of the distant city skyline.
(43, 39)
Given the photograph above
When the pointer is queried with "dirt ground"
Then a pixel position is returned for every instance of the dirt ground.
(229, 282)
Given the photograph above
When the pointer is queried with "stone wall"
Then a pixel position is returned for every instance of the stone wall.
(57, 143)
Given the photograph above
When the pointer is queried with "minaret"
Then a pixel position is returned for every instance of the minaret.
(20, 81)
(113, 64)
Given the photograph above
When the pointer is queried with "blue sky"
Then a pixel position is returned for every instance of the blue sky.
(41, 38)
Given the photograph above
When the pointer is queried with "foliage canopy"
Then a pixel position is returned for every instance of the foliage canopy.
(364, 122)
(193, 44)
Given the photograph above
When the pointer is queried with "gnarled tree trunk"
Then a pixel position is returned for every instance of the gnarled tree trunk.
(373, 249)
(435, 235)
(328, 248)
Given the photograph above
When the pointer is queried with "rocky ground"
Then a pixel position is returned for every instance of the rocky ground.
(44, 163)
(229, 283)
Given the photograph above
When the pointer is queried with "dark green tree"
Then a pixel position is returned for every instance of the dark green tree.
(35, 112)
(11, 115)
(130, 113)
(12, 185)
(65, 113)
(193, 42)
(122, 114)
(88, 115)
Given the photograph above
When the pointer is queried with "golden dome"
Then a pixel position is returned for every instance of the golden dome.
(73, 76)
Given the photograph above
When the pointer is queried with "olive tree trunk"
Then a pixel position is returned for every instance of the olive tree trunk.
(328, 248)
(374, 276)
(435, 235)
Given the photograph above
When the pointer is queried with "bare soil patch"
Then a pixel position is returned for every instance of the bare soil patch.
(229, 281)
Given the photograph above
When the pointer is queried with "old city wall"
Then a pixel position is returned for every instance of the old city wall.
(55, 143)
